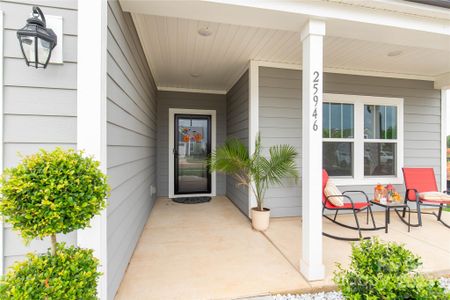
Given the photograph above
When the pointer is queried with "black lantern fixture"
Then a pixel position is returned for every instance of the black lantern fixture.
(36, 40)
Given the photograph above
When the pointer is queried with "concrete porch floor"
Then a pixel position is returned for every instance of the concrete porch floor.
(209, 251)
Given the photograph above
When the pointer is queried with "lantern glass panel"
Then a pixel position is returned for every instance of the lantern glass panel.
(43, 51)
(28, 48)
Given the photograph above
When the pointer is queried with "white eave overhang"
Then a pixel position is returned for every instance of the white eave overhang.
(394, 22)
(282, 14)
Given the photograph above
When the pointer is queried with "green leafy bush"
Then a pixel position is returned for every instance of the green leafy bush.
(52, 192)
(70, 274)
(385, 271)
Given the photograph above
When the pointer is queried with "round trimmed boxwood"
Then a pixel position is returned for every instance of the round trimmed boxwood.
(52, 192)
(70, 274)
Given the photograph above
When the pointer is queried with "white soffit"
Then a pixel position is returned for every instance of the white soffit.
(181, 58)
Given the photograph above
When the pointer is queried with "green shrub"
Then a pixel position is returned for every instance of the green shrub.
(385, 271)
(70, 274)
(52, 192)
(373, 257)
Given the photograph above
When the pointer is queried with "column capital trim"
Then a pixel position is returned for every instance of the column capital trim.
(442, 81)
(313, 27)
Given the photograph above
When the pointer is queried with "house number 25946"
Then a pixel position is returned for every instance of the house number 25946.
(315, 116)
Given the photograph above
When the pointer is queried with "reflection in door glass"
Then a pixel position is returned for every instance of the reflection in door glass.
(192, 151)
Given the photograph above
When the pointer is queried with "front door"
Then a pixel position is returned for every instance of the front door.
(192, 147)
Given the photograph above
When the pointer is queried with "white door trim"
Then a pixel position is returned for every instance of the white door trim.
(172, 112)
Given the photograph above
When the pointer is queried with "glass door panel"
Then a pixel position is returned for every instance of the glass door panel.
(192, 149)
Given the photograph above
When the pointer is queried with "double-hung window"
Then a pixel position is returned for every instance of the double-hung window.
(363, 138)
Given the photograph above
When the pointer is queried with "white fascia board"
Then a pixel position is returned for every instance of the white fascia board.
(283, 15)
(277, 65)
(190, 90)
(402, 6)
(356, 13)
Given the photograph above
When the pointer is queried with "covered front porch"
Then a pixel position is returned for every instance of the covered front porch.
(209, 251)
(317, 76)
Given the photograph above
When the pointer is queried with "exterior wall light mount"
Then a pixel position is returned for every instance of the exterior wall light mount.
(36, 40)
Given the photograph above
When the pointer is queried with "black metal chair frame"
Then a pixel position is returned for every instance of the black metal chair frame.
(419, 211)
(367, 208)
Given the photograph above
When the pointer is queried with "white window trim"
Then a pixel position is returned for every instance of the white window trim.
(358, 147)
(172, 112)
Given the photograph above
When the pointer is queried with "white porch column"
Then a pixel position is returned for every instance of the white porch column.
(91, 114)
(445, 97)
(311, 264)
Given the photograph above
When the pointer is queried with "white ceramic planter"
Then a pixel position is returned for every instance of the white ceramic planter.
(260, 219)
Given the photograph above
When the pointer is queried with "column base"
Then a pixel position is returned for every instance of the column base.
(312, 272)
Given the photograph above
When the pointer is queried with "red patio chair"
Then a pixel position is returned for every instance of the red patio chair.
(354, 207)
(420, 180)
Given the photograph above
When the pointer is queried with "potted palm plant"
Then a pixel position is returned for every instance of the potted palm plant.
(256, 171)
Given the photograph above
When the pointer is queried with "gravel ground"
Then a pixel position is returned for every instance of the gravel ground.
(445, 282)
(318, 296)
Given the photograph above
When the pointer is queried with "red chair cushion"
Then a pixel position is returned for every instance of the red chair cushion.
(358, 205)
(421, 179)
(329, 205)
(324, 184)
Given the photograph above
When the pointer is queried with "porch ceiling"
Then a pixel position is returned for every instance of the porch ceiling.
(181, 58)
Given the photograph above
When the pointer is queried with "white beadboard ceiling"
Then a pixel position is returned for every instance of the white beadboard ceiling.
(180, 58)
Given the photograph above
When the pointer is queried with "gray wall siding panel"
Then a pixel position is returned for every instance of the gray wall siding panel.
(280, 121)
(16, 73)
(182, 100)
(39, 105)
(237, 127)
(131, 142)
(39, 101)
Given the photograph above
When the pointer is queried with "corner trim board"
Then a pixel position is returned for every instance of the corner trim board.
(91, 116)
(445, 96)
(253, 118)
(2, 241)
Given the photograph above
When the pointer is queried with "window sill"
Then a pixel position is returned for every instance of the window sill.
(367, 181)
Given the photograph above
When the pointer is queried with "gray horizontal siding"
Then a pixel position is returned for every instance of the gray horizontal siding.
(39, 105)
(183, 100)
(280, 121)
(131, 142)
(237, 127)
